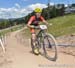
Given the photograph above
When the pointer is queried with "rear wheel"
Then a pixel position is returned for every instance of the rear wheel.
(50, 47)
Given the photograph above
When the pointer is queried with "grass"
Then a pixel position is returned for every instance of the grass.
(62, 25)
(26, 33)
(11, 29)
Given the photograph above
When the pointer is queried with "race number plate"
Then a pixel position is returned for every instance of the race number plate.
(43, 27)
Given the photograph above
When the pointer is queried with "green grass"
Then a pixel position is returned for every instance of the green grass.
(26, 33)
(11, 29)
(62, 25)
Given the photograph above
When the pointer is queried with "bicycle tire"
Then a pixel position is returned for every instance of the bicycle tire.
(34, 46)
(50, 47)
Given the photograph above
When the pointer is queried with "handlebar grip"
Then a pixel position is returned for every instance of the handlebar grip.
(36, 27)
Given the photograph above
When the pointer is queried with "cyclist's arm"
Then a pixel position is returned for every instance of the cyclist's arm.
(29, 22)
(43, 20)
(47, 23)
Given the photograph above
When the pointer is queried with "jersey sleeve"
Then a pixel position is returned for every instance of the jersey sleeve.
(31, 19)
(42, 18)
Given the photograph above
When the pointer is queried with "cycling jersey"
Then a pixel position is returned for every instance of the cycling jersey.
(35, 21)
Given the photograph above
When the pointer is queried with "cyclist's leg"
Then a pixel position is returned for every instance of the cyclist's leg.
(33, 36)
(34, 48)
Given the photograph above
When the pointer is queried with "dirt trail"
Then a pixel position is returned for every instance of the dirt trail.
(20, 56)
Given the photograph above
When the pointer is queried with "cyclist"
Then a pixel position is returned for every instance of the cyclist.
(34, 21)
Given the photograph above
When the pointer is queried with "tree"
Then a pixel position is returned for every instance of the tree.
(73, 5)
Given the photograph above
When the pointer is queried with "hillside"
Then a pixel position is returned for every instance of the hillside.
(62, 25)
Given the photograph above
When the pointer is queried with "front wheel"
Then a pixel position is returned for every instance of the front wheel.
(50, 47)
(34, 46)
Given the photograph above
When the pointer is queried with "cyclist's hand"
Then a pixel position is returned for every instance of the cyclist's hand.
(49, 24)
(32, 26)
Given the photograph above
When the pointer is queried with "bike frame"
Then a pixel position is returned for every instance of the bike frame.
(41, 33)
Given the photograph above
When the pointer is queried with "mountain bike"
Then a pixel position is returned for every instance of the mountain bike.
(46, 43)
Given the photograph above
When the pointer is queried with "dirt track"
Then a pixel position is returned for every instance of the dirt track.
(19, 56)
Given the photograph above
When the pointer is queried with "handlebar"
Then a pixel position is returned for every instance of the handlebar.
(42, 27)
(36, 27)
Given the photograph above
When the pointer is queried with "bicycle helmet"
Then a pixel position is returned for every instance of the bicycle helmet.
(38, 10)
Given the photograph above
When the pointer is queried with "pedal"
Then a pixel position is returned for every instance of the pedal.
(36, 51)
